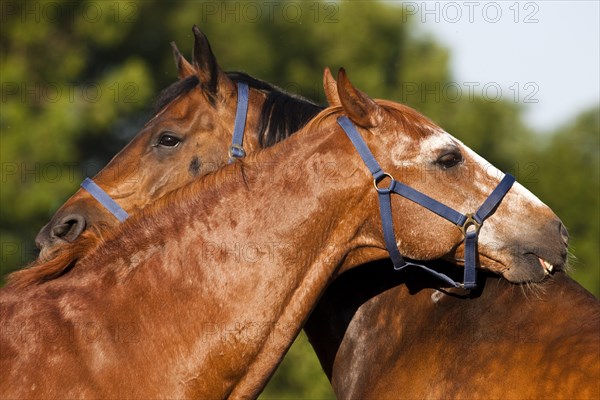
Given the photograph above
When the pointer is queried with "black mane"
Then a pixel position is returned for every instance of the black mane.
(173, 91)
(282, 114)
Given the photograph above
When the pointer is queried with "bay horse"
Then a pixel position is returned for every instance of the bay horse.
(186, 70)
(380, 334)
(188, 137)
(176, 265)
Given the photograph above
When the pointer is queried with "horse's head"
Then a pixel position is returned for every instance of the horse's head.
(188, 137)
(522, 239)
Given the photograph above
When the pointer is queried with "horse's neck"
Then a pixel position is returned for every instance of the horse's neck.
(230, 276)
(340, 324)
(308, 246)
(273, 249)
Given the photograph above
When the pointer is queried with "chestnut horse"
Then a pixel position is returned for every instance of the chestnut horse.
(230, 249)
(383, 335)
(68, 224)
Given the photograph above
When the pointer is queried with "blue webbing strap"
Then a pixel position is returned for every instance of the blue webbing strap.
(104, 199)
(433, 205)
(482, 213)
(387, 223)
(462, 221)
(237, 142)
(494, 199)
(361, 147)
(470, 274)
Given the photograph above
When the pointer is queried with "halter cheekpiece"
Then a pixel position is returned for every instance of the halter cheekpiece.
(236, 150)
(468, 223)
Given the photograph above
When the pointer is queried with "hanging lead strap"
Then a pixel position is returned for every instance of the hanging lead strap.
(104, 199)
(385, 211)
(236, 150)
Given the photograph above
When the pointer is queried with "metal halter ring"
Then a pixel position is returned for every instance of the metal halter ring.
(382, 177)
(470, 221)
(236, 151)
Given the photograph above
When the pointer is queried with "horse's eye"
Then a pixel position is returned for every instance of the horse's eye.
(449, 160)
(168, 140)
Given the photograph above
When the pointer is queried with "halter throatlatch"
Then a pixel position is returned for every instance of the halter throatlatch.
(104, 199)
(469, 223)
(236, 150)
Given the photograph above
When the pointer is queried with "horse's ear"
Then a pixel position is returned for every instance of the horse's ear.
(212, 78)
(184, 68)
(330, 88)
(359, 107)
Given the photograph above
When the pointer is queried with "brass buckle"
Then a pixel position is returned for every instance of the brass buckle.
(236, 147)
(469, 222)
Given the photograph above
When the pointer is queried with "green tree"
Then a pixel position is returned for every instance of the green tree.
(78, 78)
(58, 108)
(565, 172)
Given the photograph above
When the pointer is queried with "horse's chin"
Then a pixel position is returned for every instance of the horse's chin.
(528, 267)
(49, 252)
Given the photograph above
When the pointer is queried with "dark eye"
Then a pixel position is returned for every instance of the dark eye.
(449, 160)
(168, 140)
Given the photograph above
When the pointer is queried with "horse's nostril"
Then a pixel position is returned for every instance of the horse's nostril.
(563, 233)
(68, 228)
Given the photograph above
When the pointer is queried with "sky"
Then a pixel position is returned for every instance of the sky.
(542, 54)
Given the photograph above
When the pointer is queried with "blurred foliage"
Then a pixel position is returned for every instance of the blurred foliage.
(299, 376)
(564, 171)
(78, 79)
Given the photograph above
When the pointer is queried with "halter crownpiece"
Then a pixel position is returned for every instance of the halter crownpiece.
(104, 199)
(469, 223)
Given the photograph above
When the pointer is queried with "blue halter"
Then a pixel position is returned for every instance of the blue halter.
(235, 151)
(469, 223)
(237, 142)
(104, 199)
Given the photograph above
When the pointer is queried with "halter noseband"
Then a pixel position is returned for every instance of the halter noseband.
(104, 199)
(469, 223)
(236, 150)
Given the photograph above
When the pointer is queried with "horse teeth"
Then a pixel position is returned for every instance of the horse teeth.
(547, 266)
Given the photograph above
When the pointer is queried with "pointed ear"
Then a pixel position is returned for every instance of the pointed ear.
(213, 79)
(184, 68)
(359, 107)
(330, 88)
